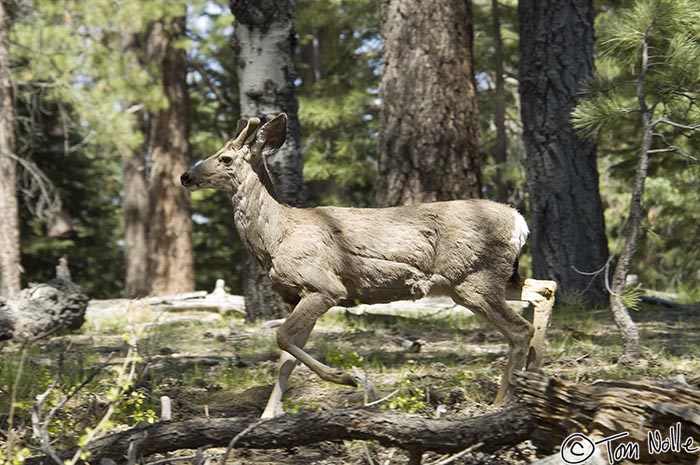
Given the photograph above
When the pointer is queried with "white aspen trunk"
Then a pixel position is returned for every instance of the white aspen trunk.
(263, 40)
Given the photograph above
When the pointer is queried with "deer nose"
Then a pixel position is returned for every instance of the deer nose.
(185, 179)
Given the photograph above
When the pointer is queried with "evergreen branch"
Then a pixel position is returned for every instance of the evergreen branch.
(199, 67)
(49, 202)
(687, 93)
(676, 149)
(675, 124)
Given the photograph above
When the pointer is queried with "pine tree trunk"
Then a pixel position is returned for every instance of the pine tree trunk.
(568, 230)
(263, 40)
(170, 224)
(10, 283)
(135, 196)
(310, 58)
(136, 219)
(632, 349)
(500, 155)
(429, 142)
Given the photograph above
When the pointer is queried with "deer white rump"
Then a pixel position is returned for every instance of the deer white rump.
(326, 256)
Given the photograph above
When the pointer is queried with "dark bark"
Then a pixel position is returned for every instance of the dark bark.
(429, 142)
(264, 41)
(171, 267)
(9, 212)
(568, 231)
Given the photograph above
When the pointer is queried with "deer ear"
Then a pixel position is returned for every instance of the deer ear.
(271, 135)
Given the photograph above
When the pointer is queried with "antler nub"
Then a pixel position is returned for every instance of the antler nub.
(250, 127)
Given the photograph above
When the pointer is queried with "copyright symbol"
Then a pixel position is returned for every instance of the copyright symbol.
(577, 448)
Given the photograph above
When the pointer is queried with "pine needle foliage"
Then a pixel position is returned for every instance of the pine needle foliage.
(672, 30)
(338, 103)
(610, 109)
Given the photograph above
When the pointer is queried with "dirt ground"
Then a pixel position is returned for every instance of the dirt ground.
(441, 363)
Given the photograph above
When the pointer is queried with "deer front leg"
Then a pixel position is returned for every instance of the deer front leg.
(477, 294)
(287, 364)
(304, 316)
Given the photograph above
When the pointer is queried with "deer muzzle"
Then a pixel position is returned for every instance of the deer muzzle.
(187, 180)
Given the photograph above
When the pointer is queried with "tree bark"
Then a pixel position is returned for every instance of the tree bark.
(44, 308)
(392, 429)
(136, 218)
(135, 191)
(638, 407)
(429, 141)
(10, 283)
(310, 57)
(171, 267)
(500, 155)
(632, 349)
(568, 231)
(264, 41)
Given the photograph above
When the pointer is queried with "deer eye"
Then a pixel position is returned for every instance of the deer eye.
(226, 160)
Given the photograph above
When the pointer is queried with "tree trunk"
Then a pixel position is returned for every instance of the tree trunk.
(568, 231)
(9, 212)
(136, 218)
(263, 40)
(170, 224)
(429, 142)
(310, 57)
(391, 429)
(500, 155)
(632, 350)
(135, 194)
(44, 308)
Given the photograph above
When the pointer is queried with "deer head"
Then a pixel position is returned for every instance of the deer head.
(224, 169)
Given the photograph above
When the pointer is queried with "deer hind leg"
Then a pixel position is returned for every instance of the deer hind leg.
(304, 316)
(287, 364)
(540, 294)
(490, 303)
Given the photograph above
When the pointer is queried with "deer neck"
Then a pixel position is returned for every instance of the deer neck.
(260, 219)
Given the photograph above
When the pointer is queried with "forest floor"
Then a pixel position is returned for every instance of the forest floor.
(215, 365)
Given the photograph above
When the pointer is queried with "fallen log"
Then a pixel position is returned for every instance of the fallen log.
(653, 415)
(417, 434)
(549, 411)
(217, 301)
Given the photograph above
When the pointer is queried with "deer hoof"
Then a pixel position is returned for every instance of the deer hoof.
(276, 411)
(346, 379)
(372, 392)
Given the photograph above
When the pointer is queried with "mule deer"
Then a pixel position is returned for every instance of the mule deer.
(326, 256)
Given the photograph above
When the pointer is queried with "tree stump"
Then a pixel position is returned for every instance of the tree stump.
(43, 308)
